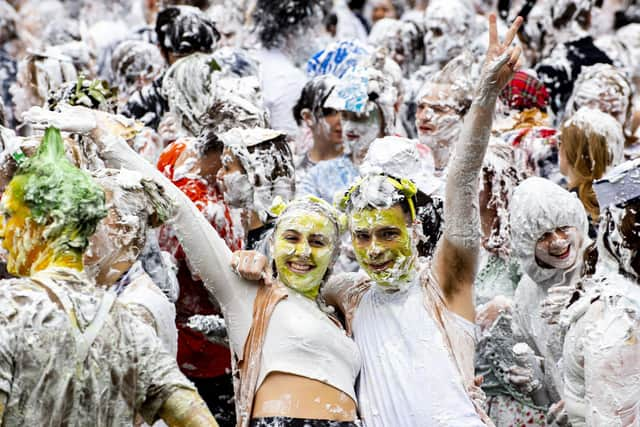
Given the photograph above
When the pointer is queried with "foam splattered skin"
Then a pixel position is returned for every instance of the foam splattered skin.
(50, 208)
(382, 241)
(383, 245)
(359, 131)
(303, 248)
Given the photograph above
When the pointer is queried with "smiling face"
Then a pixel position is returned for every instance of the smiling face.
(303, 248)
(558, 248)
(382, 243)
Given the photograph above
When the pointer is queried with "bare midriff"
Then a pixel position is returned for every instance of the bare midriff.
(288, 395)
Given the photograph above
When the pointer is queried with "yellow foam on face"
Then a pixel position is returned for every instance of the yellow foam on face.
(23, 238)
(309, 227)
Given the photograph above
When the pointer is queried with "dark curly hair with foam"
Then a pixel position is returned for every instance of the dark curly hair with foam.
(275, 20)
(183, 30)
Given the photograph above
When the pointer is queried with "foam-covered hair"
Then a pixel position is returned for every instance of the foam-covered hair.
(276, 20)
(597, 80)
(61, 197)
(539, 206)
(377, 191)
(311, 204)
(455, 75)
(188, 88)
(314, 94)
(132, 59)
(184, 30)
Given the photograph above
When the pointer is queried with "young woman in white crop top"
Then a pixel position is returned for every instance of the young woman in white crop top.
(300, 366)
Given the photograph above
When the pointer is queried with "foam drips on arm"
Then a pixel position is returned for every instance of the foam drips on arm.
(462, 224)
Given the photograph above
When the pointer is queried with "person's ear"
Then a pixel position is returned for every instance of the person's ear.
(307, 117)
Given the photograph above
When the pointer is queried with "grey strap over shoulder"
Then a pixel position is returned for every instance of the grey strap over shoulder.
(84, 340)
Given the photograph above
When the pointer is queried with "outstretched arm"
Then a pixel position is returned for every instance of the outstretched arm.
(455, 260)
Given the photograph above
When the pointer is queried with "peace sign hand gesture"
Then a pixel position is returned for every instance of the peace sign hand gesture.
(501, 60)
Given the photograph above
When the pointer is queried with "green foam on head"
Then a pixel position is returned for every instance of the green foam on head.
(59, 195)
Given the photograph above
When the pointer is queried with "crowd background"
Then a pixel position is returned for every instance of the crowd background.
(246, 104)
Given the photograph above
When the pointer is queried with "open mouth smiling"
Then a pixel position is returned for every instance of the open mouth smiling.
(380, 266)
(562, 255)
(300, 268)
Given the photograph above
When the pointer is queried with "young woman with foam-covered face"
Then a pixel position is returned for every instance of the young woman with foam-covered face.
(308, 365)
(305, 245)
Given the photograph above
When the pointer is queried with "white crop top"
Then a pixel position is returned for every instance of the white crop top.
(302, 340)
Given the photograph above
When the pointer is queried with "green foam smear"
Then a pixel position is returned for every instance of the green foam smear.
(60, 196)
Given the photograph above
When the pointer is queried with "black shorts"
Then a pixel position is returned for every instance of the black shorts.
(299, 422)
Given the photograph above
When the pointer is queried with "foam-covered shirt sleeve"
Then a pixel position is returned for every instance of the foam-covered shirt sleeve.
(158, 373)
(612, 368)
(6, 352)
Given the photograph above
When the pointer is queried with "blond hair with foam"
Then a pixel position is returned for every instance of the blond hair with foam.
(591, 142)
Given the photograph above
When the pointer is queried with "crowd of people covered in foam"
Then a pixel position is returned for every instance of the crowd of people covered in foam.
(292, 213)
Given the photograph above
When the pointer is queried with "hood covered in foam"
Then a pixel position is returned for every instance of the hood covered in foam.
(540, 206)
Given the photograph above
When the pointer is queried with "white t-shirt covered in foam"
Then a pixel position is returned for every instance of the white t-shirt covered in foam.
(408, 378)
